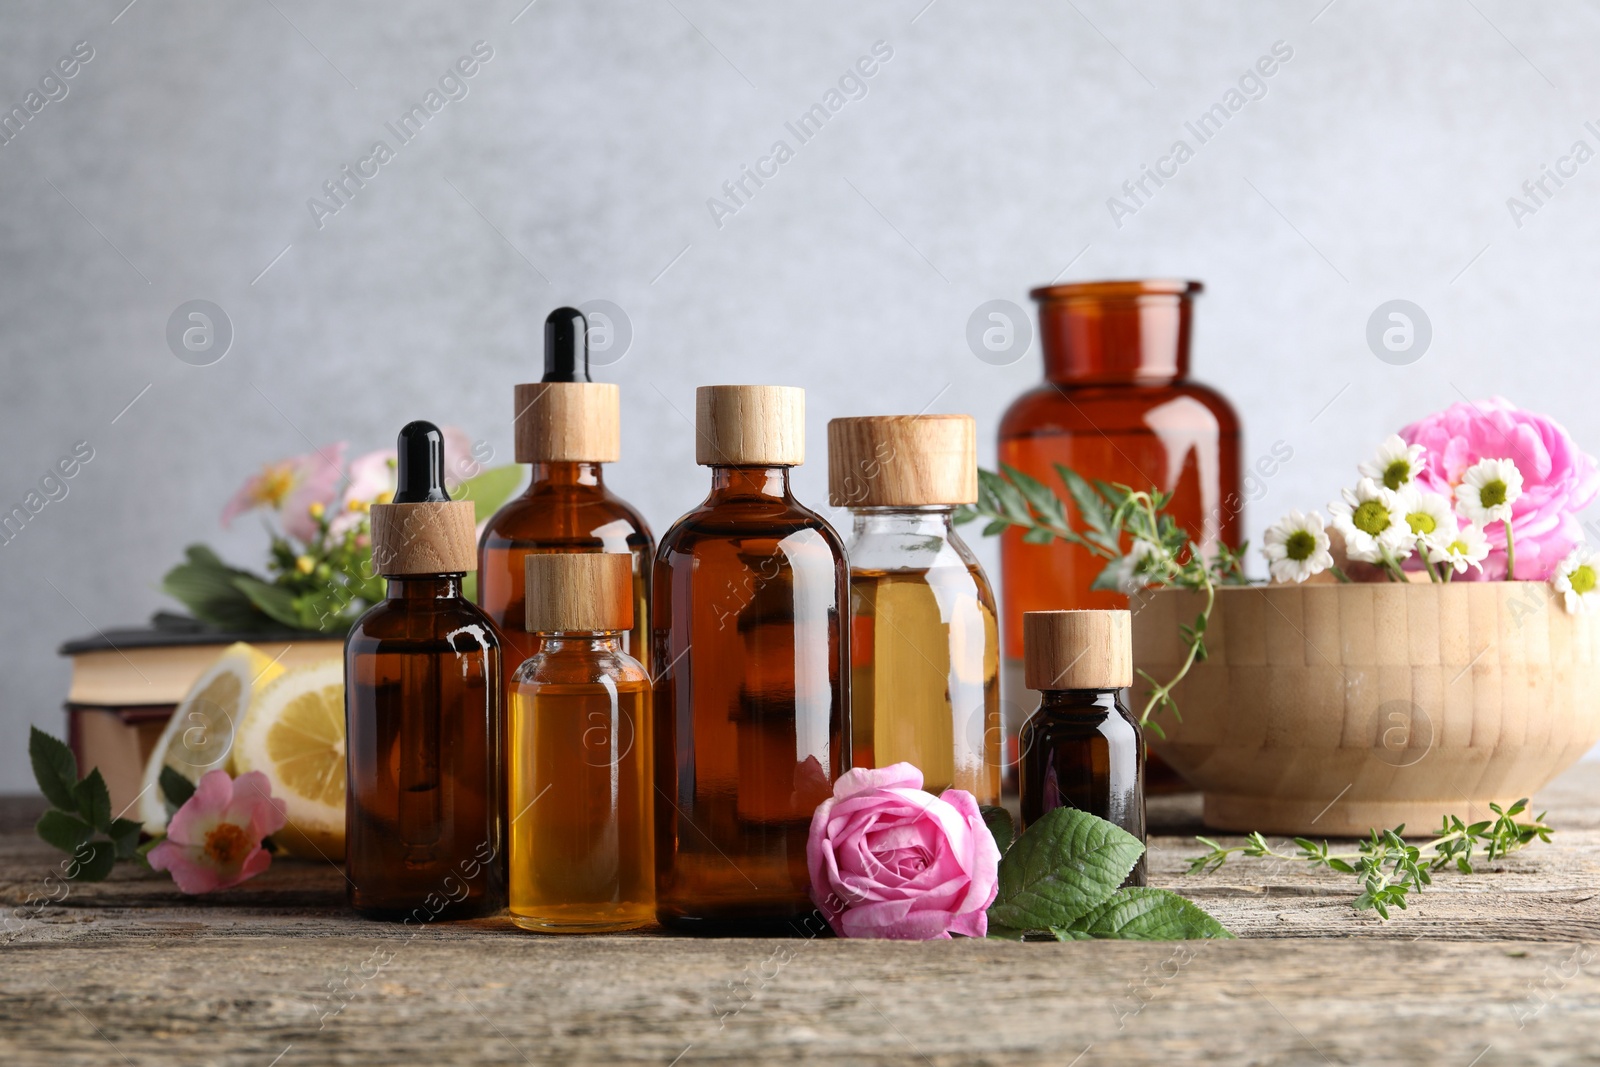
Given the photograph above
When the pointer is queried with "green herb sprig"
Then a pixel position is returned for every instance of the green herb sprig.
(1061, 881)
(1390, 868)
(1158, 553)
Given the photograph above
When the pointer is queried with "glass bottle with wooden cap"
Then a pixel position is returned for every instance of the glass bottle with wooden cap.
(924, 647)
(581, 834)
(749, 628)
(423, 691)
(566, 427)
(1082, 748)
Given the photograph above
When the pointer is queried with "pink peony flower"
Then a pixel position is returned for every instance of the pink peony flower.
(290, 487)
(1559, 480)
(889, 860)
(214, 840)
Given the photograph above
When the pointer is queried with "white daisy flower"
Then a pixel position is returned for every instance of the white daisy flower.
(1468, 549)
(1143, 560)
(1428, 515)
(1296, 547)
(1576, 580)
(1488, 490)
(1395, 464)
(1371, 522)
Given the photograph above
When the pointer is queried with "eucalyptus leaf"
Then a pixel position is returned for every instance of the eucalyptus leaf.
(54, 768)
(1138, 913)
(1062, 866)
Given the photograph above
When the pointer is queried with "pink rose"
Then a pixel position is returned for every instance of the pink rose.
(214, 840)
(889, 860)
(1558, 480)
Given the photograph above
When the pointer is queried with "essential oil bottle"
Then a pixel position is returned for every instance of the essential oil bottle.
(582, 842)
(423, 692)
(750, 628)
(1082, 749)
(566, 427)
(924, 643)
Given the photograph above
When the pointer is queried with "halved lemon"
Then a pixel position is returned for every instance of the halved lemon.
(294, 734)
(200, 735)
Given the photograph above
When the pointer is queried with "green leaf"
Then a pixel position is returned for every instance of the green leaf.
(94, 800)
(1038, 495)
(1094, 509)
(1039, 535)
(175, 789)
(54, 768)
(1008, 501)
(1138, 913)
(998, 820)
(1061, 867)
(491, 488)
(124, 834)
(92, 861)
(205, 585)
(60, 830)
(1005, 933)
(277, 604)
(995, 527)
(1108, 578)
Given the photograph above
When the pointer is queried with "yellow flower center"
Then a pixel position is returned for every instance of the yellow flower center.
(1299, 545)
(1582, 579)
(1397, 474)
(1422, 523)
(277, 482)
(1370, 517)
(1493, 494)
(227, 845)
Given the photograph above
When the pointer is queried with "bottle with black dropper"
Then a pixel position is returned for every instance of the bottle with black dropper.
(423, 713)
(566, 427)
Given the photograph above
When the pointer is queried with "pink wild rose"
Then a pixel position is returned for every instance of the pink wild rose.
(214, 840)
(889, 860)
(290, 487)
(1558, 479)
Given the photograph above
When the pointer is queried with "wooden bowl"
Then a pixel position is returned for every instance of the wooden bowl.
(1330, 710)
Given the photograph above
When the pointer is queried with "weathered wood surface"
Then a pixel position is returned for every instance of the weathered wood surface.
(1499, 968)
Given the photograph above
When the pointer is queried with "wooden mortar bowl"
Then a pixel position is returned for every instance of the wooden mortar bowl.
(1331, 710)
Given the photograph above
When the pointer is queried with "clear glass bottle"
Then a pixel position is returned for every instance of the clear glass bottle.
(581, 834)
(566, 428)
(924, 643)
(750, 632)
(423, 691)
(1117, 405)
(1083, 748)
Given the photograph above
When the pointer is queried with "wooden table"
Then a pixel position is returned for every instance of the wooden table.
(1502, 967)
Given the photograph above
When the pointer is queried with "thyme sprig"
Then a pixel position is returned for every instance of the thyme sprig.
(1388, 866)
(1159, 553)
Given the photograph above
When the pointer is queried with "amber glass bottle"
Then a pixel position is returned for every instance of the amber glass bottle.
(581, 837)
(566, 427)
(1116, 405)
(423, 694)
(1083, 749)
(750, 633)
(924, 642)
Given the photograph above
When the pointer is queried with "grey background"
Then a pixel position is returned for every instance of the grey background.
(578, 167)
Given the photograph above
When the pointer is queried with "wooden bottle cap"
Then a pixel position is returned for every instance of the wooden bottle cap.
(902, 461)
(750, 425)
(429, 537)
(568, 422)
(1077, 649)
(578, 591)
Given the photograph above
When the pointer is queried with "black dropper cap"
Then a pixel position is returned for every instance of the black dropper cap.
(566, 346)
(421, 468)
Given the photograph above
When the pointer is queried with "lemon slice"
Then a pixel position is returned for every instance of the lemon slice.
(200, 735)
(294, 734)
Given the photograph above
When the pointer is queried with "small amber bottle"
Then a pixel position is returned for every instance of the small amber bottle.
(581, 834)
(423, 693)
(750, 628)
(1082, 748)
(924, 646)
(566, 427)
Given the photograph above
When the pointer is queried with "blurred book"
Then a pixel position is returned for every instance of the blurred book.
(126, 683)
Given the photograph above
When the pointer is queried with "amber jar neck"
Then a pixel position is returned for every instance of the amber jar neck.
(1094, 702)
(546, 474)
(749, 483)
(1116, 332)
(580, 642)
(421, 587)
